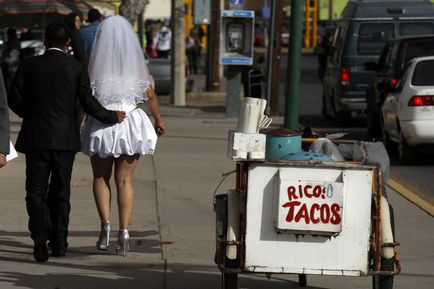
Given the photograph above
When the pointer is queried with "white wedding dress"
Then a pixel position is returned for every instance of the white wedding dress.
(135, 135)
(119, 80)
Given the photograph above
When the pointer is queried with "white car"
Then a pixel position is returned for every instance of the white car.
(408, 111)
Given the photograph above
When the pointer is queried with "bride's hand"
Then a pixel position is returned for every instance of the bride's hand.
(159, 128)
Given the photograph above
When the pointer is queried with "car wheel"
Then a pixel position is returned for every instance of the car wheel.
(385, 138)
(324, 110)
(405, 152)
(373, 116)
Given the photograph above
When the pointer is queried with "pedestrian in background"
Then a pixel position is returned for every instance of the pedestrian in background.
(120, 79)
(88, 33)
(193, 48)
(4, 124)
(73, 22)
(162, 41)
(10, 57)
(44, 93)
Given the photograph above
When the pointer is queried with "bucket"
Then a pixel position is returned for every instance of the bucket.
(281, 142)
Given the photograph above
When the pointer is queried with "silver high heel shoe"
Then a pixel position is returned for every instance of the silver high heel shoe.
(104, 236)
(123, 243)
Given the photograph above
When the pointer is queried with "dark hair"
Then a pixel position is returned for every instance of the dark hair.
(93, 15)
(56, 34)
(70, 20)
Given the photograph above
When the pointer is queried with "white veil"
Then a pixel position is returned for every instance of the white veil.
(117, 69)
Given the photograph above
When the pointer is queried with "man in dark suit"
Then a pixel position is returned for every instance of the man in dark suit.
(44, 93)
(4, 123)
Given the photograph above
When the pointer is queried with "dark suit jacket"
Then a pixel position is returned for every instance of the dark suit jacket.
(4, 119)
(44, 93)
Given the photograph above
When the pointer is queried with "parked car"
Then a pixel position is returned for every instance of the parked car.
(389, 69)
(361, 33)
(407, 115)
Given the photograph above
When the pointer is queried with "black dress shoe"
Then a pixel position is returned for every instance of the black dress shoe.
(40, 252)
(58, 252)
(57, 249)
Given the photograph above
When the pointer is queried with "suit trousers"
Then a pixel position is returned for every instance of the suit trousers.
(48, 179)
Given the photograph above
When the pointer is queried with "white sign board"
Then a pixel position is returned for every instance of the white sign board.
(344, 254)
(304, 205)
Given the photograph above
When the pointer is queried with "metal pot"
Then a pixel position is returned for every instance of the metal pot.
(281, 142)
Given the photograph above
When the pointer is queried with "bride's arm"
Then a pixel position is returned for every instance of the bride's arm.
(155, 110)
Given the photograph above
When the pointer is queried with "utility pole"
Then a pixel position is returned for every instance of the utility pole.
(213, 41)
(274, 52)
(294, 65)
(178, 54)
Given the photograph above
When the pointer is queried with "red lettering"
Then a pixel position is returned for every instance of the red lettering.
(325, 214)
(336, 217)
(302, 213)
(315, 207)
(306, 191)
(317, 191)
(291, 193)
(291, 206)
(300, 191)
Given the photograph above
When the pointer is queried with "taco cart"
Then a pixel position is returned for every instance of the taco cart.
(300, 206)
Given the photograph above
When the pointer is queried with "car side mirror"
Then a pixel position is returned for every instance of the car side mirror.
(370, 66)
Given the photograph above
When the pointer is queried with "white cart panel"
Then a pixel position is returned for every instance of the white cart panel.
(344, 254)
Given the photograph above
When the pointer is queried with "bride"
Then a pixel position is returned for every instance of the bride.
(119, 80)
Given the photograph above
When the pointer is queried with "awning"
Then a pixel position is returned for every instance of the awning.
(63, 7)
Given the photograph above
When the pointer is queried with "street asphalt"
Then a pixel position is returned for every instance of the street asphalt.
(173, 223)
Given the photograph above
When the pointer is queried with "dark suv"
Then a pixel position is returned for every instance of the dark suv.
(361, 33)
(389, 69)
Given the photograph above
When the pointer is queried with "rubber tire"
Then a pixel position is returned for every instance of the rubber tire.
(229, 280)
(373, 117)
(302, 280)
(385, 139)
(405, 153)
(372, 122)
(324, 111)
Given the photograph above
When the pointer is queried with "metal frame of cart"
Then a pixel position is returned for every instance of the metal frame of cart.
(261, 247)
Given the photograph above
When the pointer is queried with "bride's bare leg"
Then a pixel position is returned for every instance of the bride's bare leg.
(124, 171)
(102, 170)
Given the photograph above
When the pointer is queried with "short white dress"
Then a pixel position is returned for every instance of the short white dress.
(134, 135)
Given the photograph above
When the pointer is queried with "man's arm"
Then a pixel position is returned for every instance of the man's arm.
(4, 124)
(91, 106)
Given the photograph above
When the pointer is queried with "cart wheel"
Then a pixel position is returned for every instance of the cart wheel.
(229, 280)
(302, 280)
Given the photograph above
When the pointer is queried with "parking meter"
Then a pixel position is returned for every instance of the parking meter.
(236, 38)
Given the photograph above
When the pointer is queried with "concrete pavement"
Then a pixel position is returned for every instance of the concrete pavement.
(173, 227)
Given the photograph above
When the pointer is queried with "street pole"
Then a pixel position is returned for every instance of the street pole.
(291, 118)
(274, 98)
(178, 54)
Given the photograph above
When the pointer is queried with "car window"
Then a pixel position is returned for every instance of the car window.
(418, 49)
(372, 37)
(403, 79)
(416, 28)
(423, 74)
